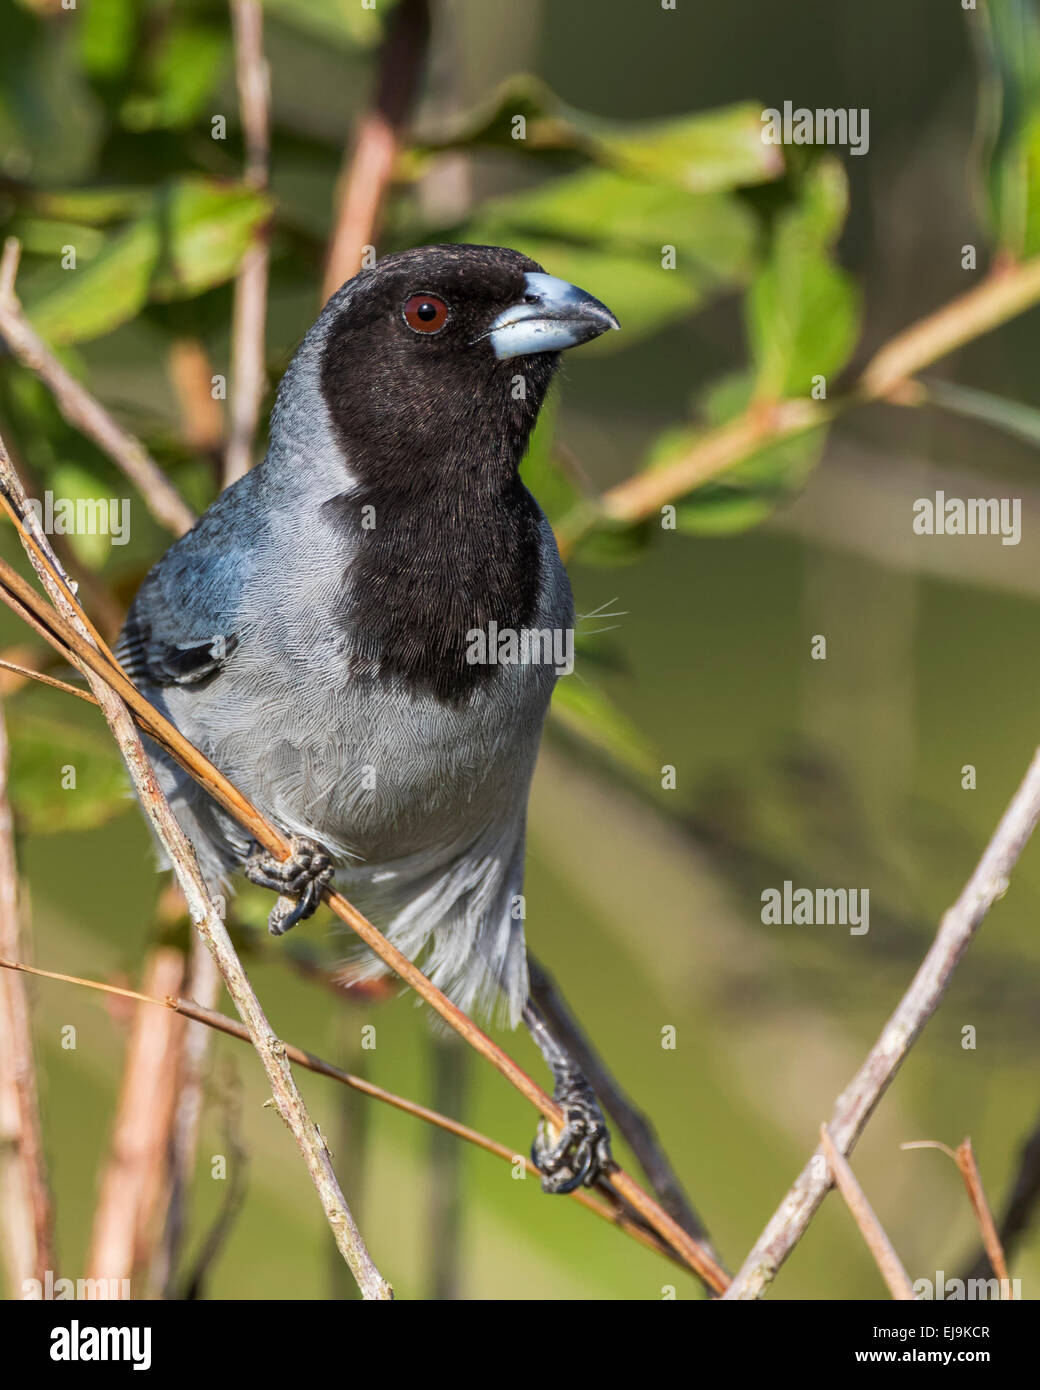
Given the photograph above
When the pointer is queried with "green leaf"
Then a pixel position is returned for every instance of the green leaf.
(614, 542)
(107, 32)
(543, 475)
(97, 297)
(1009, 121)
(707, 152)
(609, 234)
(749, 491)
(704, 153)
(343, 22)
(74, 483)
(45, 237)
(495, 124)
(182, 73)
(93, 206)
(584, 712)
(42, 750)
(192, 236)
(206, 229)
(50, 121)
(803, 310)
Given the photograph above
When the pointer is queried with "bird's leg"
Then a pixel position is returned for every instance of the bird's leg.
(581, 1151)
(298, 881)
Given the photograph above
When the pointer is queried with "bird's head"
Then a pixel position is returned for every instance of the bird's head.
(446, 348)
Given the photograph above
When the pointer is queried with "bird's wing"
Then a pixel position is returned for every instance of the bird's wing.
(181, 628)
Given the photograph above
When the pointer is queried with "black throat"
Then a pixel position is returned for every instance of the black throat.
(444, 536)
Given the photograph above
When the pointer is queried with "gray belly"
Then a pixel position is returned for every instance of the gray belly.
(372, 773)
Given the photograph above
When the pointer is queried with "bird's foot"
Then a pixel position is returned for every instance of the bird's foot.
(298, 881)
(581, 1151)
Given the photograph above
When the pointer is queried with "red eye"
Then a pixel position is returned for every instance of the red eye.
(425, 313)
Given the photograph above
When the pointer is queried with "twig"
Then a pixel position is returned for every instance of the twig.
(878, 1243)
(200, 905)
(980, 1206)
(249, 312)
(191, 375)
(645, 493)
(26, 1216)
(135, 1173)
(964, 1157)
(857, 1102)
(52, 681)
(1000, 297)
(632, 1124)
(254, 87)
(364, 184)
(74, 647)
(222, 1024)
(81, 409)
(1019, 1207)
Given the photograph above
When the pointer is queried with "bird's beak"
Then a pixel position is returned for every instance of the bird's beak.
(552, 315)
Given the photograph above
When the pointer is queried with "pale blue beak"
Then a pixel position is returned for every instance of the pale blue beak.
(553, 315)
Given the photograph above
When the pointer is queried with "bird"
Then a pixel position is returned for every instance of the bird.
(363, 633)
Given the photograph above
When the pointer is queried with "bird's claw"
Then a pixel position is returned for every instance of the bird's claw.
(299, 881)
(581, 1150)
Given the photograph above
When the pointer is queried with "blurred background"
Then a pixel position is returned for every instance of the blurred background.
(642, 133)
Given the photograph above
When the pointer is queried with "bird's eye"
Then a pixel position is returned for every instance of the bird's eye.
(425, 313)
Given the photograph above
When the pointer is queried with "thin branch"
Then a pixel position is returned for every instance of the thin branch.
(1019, 1207)
(52, 681)
(364, 184)
(26, 1215)
(253, 79)
(81, 409)
(645, 493)
(878, 1243)
(857, 1102)
(249, 312)
(220, 1023)
(964, 1157)
(190, 372)
(135, 1172)
(1002, 295)
(203, 913)
(983, 1216)
(998, 298)
(75, 648)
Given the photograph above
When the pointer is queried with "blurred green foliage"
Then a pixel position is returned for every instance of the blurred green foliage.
(787, 263)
